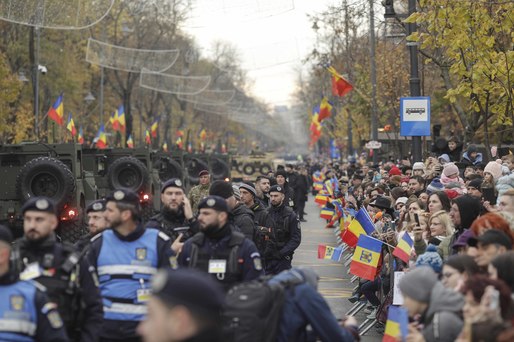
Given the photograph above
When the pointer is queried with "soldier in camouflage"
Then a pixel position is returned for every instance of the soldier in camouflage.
(198, 192)
(176, 216)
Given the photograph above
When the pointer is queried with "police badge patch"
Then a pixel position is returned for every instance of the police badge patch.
(55, 319)
(17, 302)
(140, 253)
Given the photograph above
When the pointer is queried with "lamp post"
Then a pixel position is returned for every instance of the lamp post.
(414, 81)
(374, 123)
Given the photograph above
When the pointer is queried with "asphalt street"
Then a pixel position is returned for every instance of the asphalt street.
(335, 282)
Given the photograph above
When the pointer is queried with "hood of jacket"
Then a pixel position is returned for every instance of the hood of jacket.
(469, 208)
(443, 299)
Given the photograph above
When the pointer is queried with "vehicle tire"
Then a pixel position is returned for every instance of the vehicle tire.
(46, 176)
(128, 173)
(219, 169)
(265, 169)
(71, 231)
(193, 168)
(248, 169)
(168, 168)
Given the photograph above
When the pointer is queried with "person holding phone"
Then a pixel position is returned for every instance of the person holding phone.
(176, 212)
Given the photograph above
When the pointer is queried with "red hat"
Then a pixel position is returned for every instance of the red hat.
(395, 171)
(203, 173)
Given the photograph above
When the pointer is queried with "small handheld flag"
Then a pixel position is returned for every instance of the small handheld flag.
(361, 224)
(366, 257)
(403, 248)
(397, 325)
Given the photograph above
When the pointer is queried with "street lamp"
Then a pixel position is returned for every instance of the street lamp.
(414, 81)
(89, 98)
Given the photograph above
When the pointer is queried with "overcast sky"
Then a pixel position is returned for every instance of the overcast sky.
(273, 36)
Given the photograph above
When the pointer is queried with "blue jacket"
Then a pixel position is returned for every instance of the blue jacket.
(304, 306)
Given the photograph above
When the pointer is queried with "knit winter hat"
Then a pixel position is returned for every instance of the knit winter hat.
(248, 186)
(444, 158)
(221, 188)
(431, 258)
(471, 148)
(505, 183)
(395, 171)
(418, 283)
(494, 168)
(434, 186)
(418, 166)
(237, 193)
(450, 169)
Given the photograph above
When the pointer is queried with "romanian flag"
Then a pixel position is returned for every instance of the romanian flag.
(361, 224)
(148, 140)
(340, 86)
(326, 213)
(203, 134)
(113, 120)
(325, 109)
(366, 257)
(81, 136)
(190, 147)
(101, 138)
(56, 112)
(321, 199)
(179, 143)
(165, 146)
(332, 253)
(70, 126)
(328, 187)
(403, 248)
(130, 142)
(120, 117)
(397, 325)
(155, 127)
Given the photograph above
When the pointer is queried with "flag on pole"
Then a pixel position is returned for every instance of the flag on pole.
(328, 252)
(155, 127)
(321, 199)
(70, 126)
(326, 213)
(325, 109)
(179, 143)
(113, 120)
(148, 140)
(56, 112)
(403, 248)
(101, 138)
(81, 136)
(361, 224)
(340, 86)
(120, 117)
(397, 325)
(203, 134)
(190, 147)
(130, 142)
(366, 257)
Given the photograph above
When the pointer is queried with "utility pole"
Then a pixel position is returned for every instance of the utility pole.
(414, 82)
(348, 70)
(374, 123)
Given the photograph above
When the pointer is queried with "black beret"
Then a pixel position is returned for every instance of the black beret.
(174, 182)
(123, 196)
(277, 188)
(221, 188)
(213, 202)
(193, 289)
(96, 206)
(42, 204)
(5, 234)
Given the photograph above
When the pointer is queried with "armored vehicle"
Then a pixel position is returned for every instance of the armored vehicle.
(251, 166)
(52, 170)
(217, 164)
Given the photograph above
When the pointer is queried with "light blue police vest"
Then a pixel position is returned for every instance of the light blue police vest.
(18, 313)
(124, 268)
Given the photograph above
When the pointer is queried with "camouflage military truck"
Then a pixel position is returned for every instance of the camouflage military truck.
(52, 170)
(125, 168)
(217, 164)
(251, 166)
(169, 165)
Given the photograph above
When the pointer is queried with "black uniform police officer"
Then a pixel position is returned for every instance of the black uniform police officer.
(219, 250)
(69, 280)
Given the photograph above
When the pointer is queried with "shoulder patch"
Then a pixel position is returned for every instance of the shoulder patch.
(96, 237)
(164, 236)
(48, 307)
(55, 319)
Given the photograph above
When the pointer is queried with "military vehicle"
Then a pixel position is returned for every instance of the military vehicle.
(169, 165)
(217, 164)
(52, 170)
(251, 166)
(125, 168)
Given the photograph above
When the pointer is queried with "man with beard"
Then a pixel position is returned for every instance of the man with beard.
(262, 186)
(70, 282)
(218, 249)
(95, 223)
(176, 212)
(285, 231)
(201, 190)
(126, 257)
(281, 177)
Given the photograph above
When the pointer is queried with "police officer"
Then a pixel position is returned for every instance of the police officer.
(185, 306)
(219, 250)
(285, 234)
(126, 256)
(176, 212)
(70, 281)
(25, 312)
(281, 176)
(198, 192)
(95, 223)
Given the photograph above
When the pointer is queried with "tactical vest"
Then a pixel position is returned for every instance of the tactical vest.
(124, 272)
(61, 282)
(280, 228)
(167, 227)
(18, 313)
(199, 258)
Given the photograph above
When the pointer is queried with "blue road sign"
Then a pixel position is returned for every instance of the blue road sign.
(415, 116)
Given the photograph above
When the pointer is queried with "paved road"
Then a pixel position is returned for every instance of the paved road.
(335, 283)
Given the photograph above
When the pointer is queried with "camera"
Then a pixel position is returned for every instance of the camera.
(42, 69)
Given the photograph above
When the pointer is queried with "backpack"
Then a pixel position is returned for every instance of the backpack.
(253, 310)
